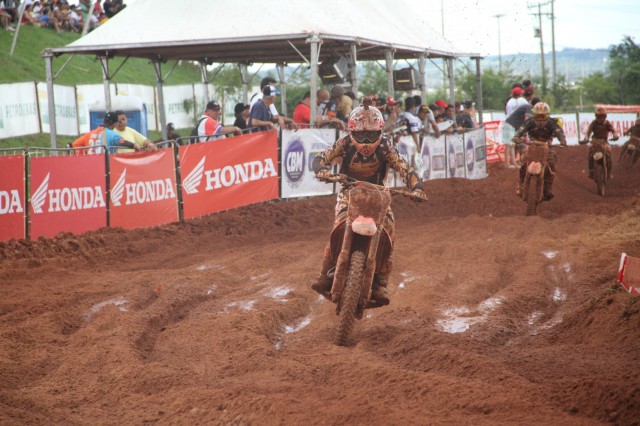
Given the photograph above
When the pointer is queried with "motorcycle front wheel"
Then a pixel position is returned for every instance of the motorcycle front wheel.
(599, 177)
(534, 189)
(350, 298)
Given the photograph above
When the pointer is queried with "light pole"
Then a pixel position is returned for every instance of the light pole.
(499, 49)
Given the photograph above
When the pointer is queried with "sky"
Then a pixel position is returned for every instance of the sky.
(472, 27)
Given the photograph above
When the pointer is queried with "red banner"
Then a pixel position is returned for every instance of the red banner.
(12, 201)
(229, 173)
(495, 148)
(67, 194)
(143, 189)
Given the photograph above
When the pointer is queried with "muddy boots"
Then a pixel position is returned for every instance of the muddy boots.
(323, 283)
(380, 283)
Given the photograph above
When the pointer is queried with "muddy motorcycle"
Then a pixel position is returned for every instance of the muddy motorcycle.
(532, 190)
(361, 245)
(630, 150)
(601, 160)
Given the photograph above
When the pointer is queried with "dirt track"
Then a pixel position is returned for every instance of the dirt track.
(495, 318)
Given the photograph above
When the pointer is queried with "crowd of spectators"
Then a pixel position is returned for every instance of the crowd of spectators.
(57, 15)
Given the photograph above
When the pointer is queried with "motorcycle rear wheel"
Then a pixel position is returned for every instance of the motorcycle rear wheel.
(599, 178)
(350, 298)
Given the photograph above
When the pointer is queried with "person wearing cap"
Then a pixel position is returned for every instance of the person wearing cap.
(113, 140)
(241, 112)
(426, 116)
(302, 113)
(515, 101)
(412, 122)
(261, 116)
(171, 135)
(277, 117)
(209, 126)
(131, 134)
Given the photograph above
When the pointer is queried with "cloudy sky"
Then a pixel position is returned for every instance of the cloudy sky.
(471, 25)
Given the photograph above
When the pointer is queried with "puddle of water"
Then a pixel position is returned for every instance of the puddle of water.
(559, 295)
(534, 317)
(257, 277)
(459, 320)
(550, 254)
(210, 290)
(245, 305)
(401, 285)
(279, 293)
(288, 329)
(119, 302)
(205, 267)
(566, 267)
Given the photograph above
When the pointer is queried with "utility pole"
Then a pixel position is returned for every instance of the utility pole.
(499, 48)
(538, 34)
(444, 64)
(553, 41)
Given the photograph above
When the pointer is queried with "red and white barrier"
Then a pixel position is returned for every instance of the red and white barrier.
(629, 274)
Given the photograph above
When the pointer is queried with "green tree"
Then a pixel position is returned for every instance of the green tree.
(625, 71)
(599, 89)
(496, 86)
(373, 78)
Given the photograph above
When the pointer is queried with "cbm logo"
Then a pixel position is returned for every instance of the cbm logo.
(294, 162)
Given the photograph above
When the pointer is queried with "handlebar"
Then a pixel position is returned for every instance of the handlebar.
(349, 182)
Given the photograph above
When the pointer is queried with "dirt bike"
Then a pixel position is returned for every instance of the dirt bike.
(361, 246)
(532, 190)
(600, 164)
(630, 150)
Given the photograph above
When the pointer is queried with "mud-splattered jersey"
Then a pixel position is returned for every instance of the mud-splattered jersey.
(544, 133)
(633, 131)
(600, 129)
(371, 169)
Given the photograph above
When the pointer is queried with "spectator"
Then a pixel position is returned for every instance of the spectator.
(417, 101)
(509, 127)
(391, 119)
(448, 116)
(331, 107)
(97, 7)
(171, 135)
(345, 106)
(89, 139)
(427, 118)
(113, 140)
(241, 112)
(277, 117)
(515, 101)
(261, 116)
(28, 18)
(111, 8)
(5, 19)
(302, 113)
(131, 134)
(412, 122)
(209, 126)
(322, 99)
(463, 118)
(470, 108)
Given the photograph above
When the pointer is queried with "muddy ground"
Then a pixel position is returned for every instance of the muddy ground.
(495, 318)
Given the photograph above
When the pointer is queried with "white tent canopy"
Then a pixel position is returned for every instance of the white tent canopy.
(257, 31)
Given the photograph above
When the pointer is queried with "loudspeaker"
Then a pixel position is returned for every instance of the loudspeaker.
(334, 70)
(404, 79)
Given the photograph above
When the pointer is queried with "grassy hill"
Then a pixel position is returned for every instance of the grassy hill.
(27, 65)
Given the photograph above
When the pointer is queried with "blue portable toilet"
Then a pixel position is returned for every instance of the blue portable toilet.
(133, 107)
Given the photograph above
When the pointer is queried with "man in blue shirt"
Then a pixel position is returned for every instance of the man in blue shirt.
(110, 138)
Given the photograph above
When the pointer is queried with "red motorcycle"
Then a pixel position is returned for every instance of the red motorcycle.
(535, 160)
(361, 245)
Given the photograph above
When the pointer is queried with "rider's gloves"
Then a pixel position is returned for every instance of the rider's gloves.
(323, 173)
(418, 195)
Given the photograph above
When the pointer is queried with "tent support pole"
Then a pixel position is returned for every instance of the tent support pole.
(205, 81)
(283, 88)
(388, 57)
(354, 70)
(452, 89)
(48, 60)
(159, 89)
(422, 83)
(104, 60)
(479, 90)
(244, 76)
(315, 41)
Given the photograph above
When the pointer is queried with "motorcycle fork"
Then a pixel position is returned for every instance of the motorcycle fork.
(350, 243)
(539, 183)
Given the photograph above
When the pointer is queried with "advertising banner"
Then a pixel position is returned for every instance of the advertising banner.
(18, 110)
(621, 123)
(455, 155)
(493, 134)
(65, 106)
(89, 96)
(570, 127)
(143, 189)
(12, 197)
(148, 96)
(229, 173)
(475, 153)
(299, 148)
(433, 157)
(67, 194)
(180, 105)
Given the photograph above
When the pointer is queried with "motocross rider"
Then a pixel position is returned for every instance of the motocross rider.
(634, 133)
(601, 127)
(367, 156)
(540, 127)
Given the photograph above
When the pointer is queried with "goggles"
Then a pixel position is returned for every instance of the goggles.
(366, 136)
